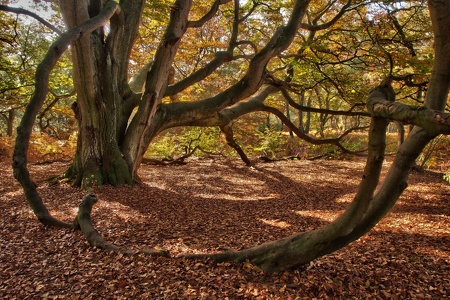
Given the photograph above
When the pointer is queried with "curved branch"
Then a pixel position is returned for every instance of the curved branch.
(299, 133)
(22, 11)
(315, 27)
(221, 57)
(56, 99)
(252, 80)
(137, 136)
(321, 110)
(83, 222)
(209, 15)
(41, 89)
(432, 121)
(301, 248)
(228, 132)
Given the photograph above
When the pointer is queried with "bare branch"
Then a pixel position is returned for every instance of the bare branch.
(320, 110)
(22, 11)
(314, 27)
(209, 15)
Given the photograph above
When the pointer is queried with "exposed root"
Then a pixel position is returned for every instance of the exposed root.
(84, 223)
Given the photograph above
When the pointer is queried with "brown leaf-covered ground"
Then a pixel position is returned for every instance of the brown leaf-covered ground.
(212, 205)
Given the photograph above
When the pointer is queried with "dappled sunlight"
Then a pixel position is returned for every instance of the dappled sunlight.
(435, 255)
(180, 246)
(413, 223)
(346, 198)
(13, 194)
(120, 210)
(276, 223)
(204, 208)
(325, 215)
(237, 196)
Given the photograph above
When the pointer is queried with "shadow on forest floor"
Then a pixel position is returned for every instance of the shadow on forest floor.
(213, 205)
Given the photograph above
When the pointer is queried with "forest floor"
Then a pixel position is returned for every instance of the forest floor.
(212, 205)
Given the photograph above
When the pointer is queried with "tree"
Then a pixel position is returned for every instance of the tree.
(118, 119)
(23, 45)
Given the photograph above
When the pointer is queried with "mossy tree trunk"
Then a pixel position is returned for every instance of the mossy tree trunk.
(104, 101)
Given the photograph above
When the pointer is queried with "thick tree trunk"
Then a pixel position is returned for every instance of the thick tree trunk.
(100, 75)
(140, 131)
(109, 150)
(368, 208)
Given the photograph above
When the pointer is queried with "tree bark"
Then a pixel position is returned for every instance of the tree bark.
(100, 79)
(228, 132)
(110, 149)
(400, 133)
(41, 89)
(84, 222)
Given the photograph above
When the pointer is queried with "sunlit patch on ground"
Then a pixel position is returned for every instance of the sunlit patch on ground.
(322, 214)
(276, 223)
(210, 206)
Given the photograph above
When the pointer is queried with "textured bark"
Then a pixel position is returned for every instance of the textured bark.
(368, 208)
(439, 86)
(434, 122)
(100, 75)
(138, 136)
(401, 133)
(84, 222)
(109, 151)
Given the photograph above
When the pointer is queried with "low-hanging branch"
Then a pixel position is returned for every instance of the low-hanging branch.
(303, 247)
(41, 89)
(307, 138)
(433, 121)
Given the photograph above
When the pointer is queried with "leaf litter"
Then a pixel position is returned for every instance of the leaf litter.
(211, 205)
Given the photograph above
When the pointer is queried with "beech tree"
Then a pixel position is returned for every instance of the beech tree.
(119, 115)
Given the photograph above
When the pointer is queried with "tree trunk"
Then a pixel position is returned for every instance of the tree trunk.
(100, 77)
(110, 148)
(11, 117)
(41, 89)
(400, 133)
(304, 247)
(307, 122)
(228, 132)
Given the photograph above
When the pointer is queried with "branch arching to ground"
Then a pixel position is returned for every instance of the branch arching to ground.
(41, 89)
